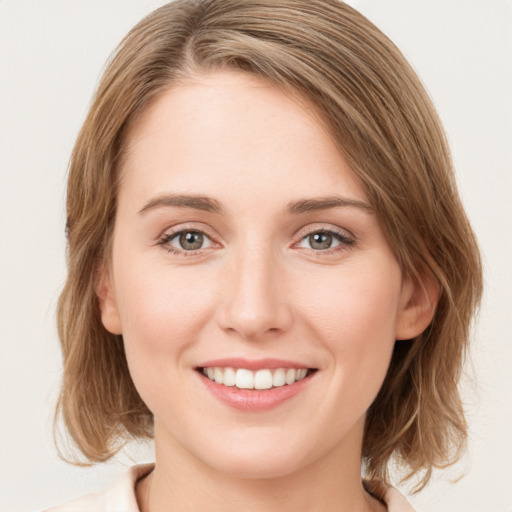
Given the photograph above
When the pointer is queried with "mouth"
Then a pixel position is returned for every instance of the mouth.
(255, 385)
(257, 380)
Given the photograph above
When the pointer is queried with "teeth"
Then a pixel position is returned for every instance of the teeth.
(261, 379)
(229, 377)
(291, 374)
(218, 375)
(301, 374)
(244, 379)
(279, 378)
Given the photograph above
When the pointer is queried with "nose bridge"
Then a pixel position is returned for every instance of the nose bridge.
(254, 301)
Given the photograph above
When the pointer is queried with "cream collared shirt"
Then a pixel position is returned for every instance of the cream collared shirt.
(120, 496)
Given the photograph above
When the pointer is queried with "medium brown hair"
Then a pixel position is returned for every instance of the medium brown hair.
(387, 129)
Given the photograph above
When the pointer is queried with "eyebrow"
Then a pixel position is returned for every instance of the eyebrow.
(208, 204)
(324, 203)
(197, 202)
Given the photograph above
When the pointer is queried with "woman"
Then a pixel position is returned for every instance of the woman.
(270, 270)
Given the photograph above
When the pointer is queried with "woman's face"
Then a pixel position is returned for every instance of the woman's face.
(244, 247)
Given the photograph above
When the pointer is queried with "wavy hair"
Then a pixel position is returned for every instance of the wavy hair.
(387, 129)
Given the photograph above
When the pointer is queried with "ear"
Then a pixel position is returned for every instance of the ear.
(108, 305)
(417, 307)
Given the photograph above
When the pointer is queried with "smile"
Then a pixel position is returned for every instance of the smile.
(243, 378)
(256, 385)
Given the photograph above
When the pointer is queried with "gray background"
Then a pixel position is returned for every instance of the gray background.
(51, 56)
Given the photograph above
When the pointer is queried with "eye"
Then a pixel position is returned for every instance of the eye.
(186, 240)
(324, 239)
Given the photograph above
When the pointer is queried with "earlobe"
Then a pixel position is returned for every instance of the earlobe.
(108, 305)
(418, 305)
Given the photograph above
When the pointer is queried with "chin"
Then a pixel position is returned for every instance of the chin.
(252, 467)
(259, 455)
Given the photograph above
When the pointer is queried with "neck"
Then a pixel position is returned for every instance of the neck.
(183, 482)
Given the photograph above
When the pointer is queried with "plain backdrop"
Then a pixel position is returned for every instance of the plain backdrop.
(51, 56)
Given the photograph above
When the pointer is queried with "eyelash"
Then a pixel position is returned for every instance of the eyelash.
(168, 237)
(345, 242)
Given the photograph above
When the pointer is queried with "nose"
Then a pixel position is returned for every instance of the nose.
(253, 297)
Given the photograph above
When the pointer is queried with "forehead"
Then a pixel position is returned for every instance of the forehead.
(227, 131)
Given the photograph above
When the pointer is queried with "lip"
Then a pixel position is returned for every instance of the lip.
(252, 364)
(253, 400)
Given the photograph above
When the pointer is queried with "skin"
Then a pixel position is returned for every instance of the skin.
(257, 288)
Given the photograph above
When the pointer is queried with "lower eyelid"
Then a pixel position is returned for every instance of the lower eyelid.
(344, 241)
(173, 236)
(342, 237)
(206, 238)
(344, 244)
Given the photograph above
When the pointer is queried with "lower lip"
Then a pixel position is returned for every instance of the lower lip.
(252, 399)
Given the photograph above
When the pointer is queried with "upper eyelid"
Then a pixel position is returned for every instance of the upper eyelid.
(342, 233)
(345, 241)
(174, 234)
(184, 226)
(300, 233)
(166, 237)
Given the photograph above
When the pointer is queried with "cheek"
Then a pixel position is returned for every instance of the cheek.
(354, 316)
(162, 314)
(158, 299)
(357, 298)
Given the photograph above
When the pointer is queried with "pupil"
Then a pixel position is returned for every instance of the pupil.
(320, 241)
(191, 240)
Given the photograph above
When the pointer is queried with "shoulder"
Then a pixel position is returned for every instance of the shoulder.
(119, 496)
(396, 502)
(89, 503)
(391, 497)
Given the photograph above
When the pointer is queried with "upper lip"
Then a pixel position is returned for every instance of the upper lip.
(252, 364)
